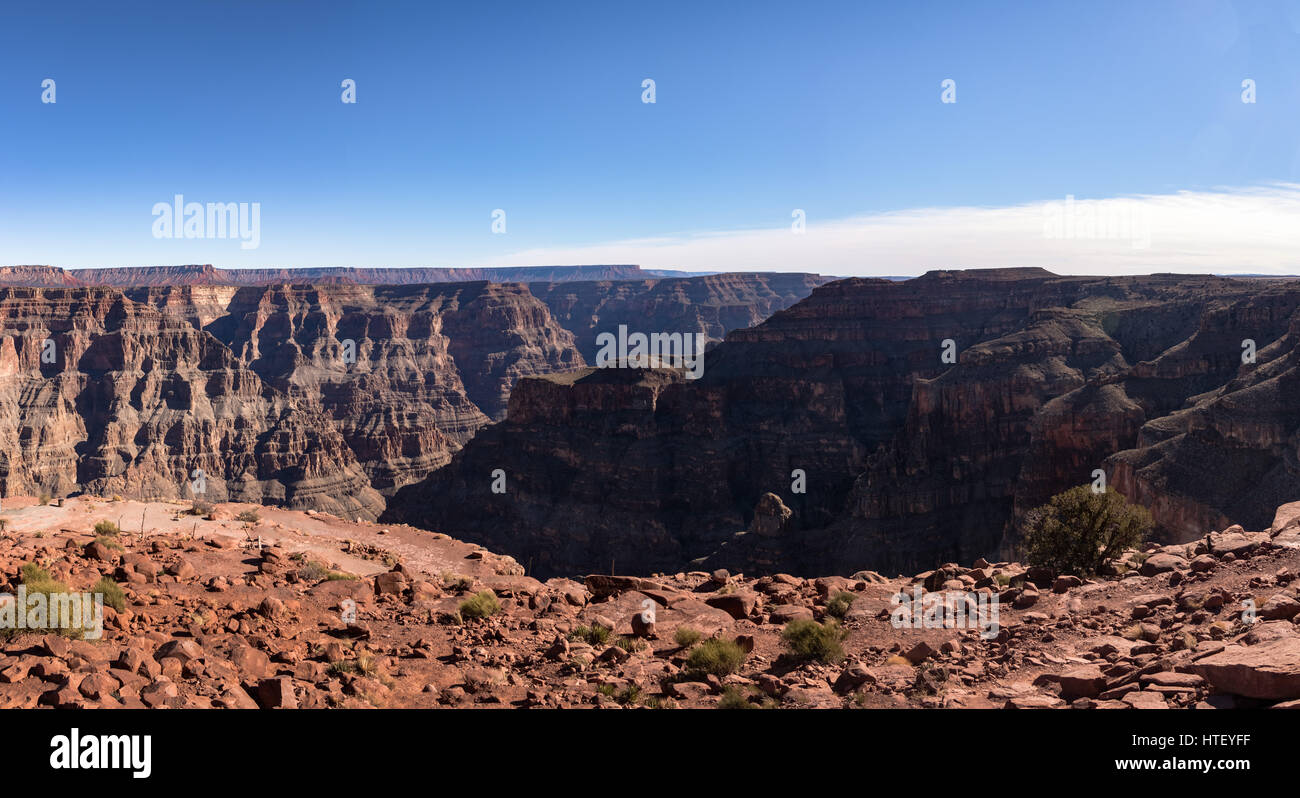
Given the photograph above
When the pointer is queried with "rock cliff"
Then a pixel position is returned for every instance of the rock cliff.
(889, 457)
(315, 396)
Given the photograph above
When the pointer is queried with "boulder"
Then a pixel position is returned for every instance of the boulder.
(738, 604)
(1085, 681)
(1162, 563)
(1269, 670)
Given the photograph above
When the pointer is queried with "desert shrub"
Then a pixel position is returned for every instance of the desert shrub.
(480, 605)
(595, 635)
(248, 517)
(686, 636)
(630, 644)
(200, 508)
(715, 656)
(45, 497)
(313, 571)
(364, 665)
(809, 640)
(341, 667)
(38, 580)
(839, 604)
(660, 702)
(112, 593)
(109, 542)
(1080, 530)
(107, 529)
(457, 582)
(31, 574)
(316, 571)
(734, 698)
(629, 695)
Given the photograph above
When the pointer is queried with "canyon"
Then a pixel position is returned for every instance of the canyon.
(830, 431)
(325, 396)
(833, 437)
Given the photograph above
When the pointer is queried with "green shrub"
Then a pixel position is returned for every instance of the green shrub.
(596, 635)
(630, 695)
(1080, 530)
(715, 656)
(107, 529)
(38, 580)
(809, 640)
(734, 698)
(248, 517)
(480, 605)
(686, 636)
(112, 593)
(341, 667)
(457, 582)
(839, 604)
(630, 644)
(31, 573)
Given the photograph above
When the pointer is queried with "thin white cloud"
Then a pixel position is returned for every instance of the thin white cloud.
(1230, 230)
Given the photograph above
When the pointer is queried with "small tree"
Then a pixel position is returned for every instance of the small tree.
(1080, 530)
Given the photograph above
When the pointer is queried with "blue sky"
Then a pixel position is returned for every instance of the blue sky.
(535, 108)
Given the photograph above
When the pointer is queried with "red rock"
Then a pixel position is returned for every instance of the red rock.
(182, 650)
(276, 693)
(920, 652)
(391, 583)
(1162, 563)
(1143, 699)
(739, 604)
(1280, 607)
(1235, 541)
(159, 693)
(1268, 670)
(1085, 681)
(98, 686)
(252, 664)
(1034, 702)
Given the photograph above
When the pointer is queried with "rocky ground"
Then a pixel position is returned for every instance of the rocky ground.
(228, 612)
